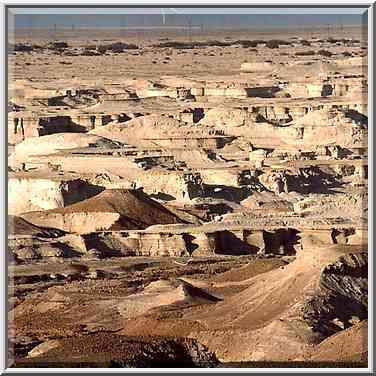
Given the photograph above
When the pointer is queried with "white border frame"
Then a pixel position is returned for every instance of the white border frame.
(192, 3)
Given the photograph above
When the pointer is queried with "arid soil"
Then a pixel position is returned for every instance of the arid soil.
(186, 200)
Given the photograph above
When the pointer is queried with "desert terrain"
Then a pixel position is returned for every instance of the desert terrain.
(188, 199)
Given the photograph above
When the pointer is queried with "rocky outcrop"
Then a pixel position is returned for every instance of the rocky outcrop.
(349, 345)
(143, 130)
(51, 144)
(273, 307)
(342, 297)
(31, 193)
(171, 185)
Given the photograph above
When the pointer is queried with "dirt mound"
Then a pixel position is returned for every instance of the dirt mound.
(18, 226)
(246, 272)
(196, 295)
(271, 307)
(164, 293)
(112, 350)
(112, 209)
(259, 302)
(349, 345)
